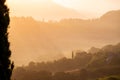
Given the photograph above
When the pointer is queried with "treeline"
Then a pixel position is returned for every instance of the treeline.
(83, 65)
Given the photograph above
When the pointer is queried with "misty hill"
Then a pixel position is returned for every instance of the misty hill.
(40, 41)
(112, 16)
(83, 66)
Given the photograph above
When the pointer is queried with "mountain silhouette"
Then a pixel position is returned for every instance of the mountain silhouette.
(39, 40)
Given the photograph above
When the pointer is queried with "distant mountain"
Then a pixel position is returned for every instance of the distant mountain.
(113, 16)
(39, 40)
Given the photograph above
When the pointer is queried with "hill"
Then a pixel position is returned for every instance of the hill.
(40, 41)
(83, 66)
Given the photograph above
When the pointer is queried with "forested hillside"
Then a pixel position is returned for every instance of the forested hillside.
(82, 66)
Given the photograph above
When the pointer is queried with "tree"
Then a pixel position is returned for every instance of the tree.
(5, 64)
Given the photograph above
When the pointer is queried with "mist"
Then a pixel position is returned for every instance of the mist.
(47, 41)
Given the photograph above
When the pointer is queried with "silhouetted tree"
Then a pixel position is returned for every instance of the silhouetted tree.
(5, 64)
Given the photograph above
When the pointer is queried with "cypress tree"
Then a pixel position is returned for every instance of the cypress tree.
(5, 64)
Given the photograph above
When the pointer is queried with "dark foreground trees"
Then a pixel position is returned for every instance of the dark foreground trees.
(5, 63)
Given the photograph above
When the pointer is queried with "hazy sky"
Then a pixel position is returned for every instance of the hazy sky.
(90, 5)
(39, 8)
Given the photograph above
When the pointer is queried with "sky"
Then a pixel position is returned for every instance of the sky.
(58, 9)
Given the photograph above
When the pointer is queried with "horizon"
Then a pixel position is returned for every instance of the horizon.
(54, 20)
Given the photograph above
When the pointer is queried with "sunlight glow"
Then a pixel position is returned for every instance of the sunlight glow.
(86, 8)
